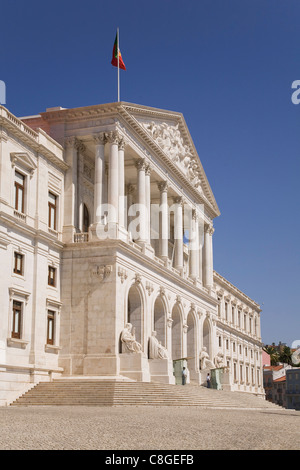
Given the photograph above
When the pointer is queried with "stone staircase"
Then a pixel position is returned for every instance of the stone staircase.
(93, 392)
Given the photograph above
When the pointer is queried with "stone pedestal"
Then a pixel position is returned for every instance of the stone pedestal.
(135, 366)
(161, 370)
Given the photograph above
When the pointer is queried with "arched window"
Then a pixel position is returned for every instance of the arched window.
(86, 219)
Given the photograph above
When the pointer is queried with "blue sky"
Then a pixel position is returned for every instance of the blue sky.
(228, 66)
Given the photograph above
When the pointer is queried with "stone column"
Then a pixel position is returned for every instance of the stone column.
(208, 257)
(148, 203)
(200, 251)
(113, 178)
(121, 184)
(70, 196)
(178, 233)
(164, 220)
(130, 200)
(141, 200)
(99, 184)
(193, 246)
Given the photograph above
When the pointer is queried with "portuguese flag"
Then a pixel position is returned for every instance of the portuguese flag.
(116, 50)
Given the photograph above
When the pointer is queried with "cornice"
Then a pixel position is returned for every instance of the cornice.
(37, 234)
(128, 111)
(237, 333)
(31, 138)
(222, 282)
(210, 202)
(151, 263)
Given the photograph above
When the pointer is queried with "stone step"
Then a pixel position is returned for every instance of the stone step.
(105, 393)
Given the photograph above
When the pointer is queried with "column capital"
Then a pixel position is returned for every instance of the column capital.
(148, 169)
(141, 164)
(131, 188)
(100, 138)
(209, 229)
(113, 137)
(195, 215)
(73, 142)
(122, 143)
(163, 186)
(179, 200)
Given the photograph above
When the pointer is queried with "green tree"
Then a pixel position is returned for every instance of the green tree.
(285, 355)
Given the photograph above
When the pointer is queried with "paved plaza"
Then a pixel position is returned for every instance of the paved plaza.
(147, 428)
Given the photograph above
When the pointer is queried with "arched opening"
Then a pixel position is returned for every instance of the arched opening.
(206, 337)
(134, 312)
(159, 324)
(85, 219)
(176, 334)
(191, 342)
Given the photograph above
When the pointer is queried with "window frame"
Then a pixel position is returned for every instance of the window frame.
(52, 207)
(17, 187)
(54, 270)
(51, 320)
(17, 333)
(19, 256)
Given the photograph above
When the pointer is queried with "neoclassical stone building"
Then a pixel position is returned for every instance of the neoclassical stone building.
(107, 220)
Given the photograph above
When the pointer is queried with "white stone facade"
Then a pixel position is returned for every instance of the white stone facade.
(118, 209)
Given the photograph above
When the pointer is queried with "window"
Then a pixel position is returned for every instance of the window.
(16, 320)
(19, 191)
(52, 206)
(226, 311)
(220, 341)
(234, 371)
(50, 327)
(51, 276)
(18, 263)
(86, 219)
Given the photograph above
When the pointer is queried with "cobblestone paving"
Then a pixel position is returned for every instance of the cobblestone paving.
(147, 428)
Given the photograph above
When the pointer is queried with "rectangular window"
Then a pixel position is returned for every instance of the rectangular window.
(50, 327)
(51, 276)
(18, 263)
(19, 192)
(52, 207)
(17, 319)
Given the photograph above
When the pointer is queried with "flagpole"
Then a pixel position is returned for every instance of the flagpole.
(118, 66)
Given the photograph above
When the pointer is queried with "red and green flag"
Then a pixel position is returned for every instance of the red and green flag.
(117, 51)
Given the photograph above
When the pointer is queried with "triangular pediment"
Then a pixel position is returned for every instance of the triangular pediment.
(24, 160)
(167, 131)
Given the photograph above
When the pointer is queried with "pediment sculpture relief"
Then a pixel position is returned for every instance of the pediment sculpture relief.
(171, 142)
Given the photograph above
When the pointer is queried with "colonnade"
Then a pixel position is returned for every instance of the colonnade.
(112, 208)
